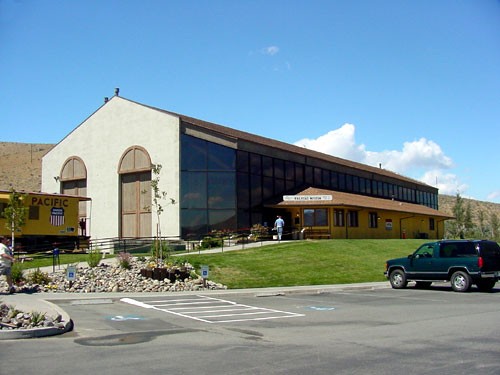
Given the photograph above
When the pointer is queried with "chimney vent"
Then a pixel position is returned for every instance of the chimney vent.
(117, 91)
(106, 99)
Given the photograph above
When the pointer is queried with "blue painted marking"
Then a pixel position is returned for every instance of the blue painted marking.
(122, 318)
(321, 308)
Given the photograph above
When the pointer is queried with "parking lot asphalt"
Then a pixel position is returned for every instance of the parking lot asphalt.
(46, 302)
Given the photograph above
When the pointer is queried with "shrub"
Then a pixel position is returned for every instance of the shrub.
(209, 242)
(37, 318)
(94, 257)
(124, 260)
(39, 277)
(17, 273)
(259, 231)
(163, 253)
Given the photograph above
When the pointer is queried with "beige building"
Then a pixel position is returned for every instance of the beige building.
(219, 178)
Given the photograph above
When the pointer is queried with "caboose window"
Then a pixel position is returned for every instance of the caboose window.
(34, 213)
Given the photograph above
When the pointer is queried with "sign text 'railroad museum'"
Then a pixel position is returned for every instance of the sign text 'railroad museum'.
(303, 198)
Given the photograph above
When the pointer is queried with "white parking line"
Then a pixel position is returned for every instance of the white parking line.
(211, 310)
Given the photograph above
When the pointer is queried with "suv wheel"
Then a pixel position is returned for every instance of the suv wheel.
(460, 281)
(397, 278)
(486, 285)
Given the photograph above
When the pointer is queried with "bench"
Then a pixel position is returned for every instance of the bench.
(317, 234)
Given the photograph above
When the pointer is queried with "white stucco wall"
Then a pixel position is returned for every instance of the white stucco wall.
(100, 141)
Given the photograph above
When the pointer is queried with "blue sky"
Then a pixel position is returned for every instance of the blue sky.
(411, 85)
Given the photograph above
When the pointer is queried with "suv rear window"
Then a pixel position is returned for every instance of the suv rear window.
(489, 249)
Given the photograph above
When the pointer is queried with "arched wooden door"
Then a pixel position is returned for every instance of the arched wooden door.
(135, 193)
(73, 180)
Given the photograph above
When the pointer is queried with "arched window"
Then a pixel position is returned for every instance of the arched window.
(73, 180)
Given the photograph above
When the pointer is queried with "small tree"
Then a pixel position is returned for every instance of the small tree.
(157, 197)
(482, 230)
(458, 228)
(468, 224)
(15, 213)
(495, 226)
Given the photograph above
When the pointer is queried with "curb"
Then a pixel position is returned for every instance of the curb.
(12, 334)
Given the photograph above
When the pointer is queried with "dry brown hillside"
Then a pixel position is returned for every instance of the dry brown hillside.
(21, 165)
(446, 203)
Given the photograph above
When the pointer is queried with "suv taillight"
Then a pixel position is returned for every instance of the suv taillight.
(480, 262)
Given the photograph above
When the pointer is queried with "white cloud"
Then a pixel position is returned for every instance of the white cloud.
(494, 196)
(422, 159)
(447, 183)
(339, 142)
(421, 154)
(271, 50)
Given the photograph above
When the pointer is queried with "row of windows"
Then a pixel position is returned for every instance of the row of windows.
(278, 176)
(319, 217)
(220, 184)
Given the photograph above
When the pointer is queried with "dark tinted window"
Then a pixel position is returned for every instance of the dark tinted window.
(221, 190)
(243, 191)
(326, 178)
(267, 166)
(194, 153)
(221, 158)
(466, 249)
(194, 190)
(342, 181)
(279, 186)
(309, 176)
(457, 249)
(289, 171)
(242, 161)
(267, 188)
(279, 168)
(489, 249)
(195, 223)
(299, 173)
(255, 164)
(221, 219)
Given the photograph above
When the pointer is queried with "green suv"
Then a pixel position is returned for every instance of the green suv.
(461, 262)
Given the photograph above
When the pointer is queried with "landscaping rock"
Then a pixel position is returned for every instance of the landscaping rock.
(107, 278)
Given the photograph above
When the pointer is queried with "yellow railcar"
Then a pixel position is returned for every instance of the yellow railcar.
(52, 220)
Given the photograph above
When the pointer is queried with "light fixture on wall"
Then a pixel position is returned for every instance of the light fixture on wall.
(56, 178)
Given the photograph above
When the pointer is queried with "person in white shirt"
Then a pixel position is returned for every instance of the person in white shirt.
(6, 260)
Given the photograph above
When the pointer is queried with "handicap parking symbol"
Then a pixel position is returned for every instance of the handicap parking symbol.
(321, 308)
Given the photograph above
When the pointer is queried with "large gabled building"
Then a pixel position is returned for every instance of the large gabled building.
(219, 178)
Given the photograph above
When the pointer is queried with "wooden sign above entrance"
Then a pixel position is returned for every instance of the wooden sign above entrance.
(301, 198)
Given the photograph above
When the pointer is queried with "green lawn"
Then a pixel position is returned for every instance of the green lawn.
(42, 260)
(304, 263)
(289, 264)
